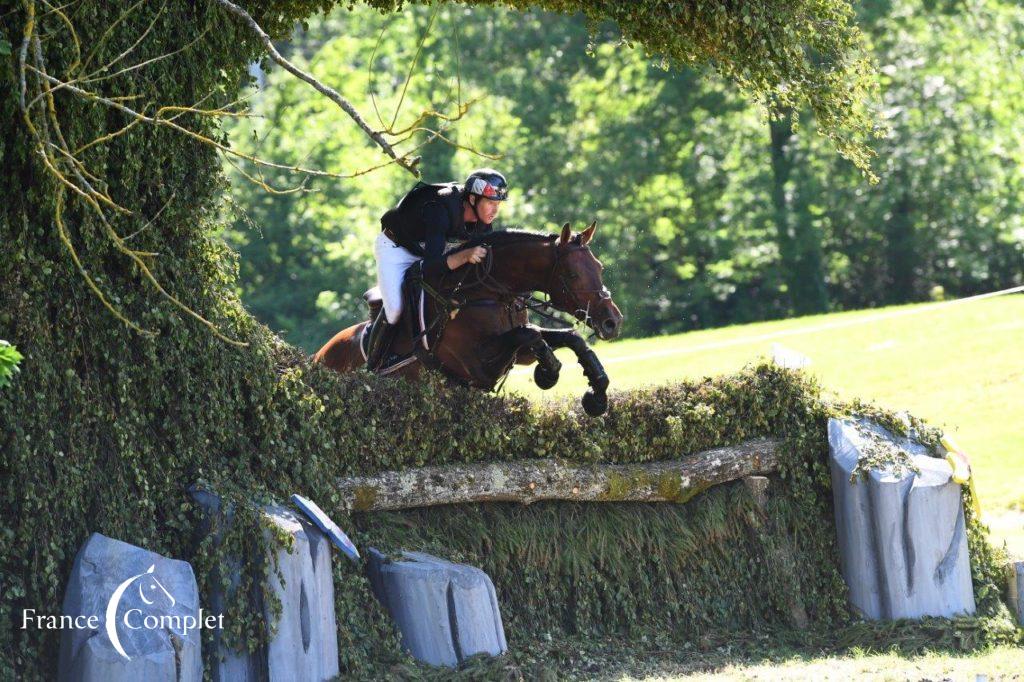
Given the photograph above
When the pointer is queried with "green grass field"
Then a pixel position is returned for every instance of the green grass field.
(957, 365)
(1001, 663)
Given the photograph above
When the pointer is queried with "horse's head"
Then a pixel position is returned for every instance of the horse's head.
(575, 284)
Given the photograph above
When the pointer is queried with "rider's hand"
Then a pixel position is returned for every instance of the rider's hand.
(476, 254)
(460, 258)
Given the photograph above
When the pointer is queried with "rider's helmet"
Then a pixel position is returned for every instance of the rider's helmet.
(487, 183)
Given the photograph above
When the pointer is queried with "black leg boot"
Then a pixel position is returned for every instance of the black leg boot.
(380, 339)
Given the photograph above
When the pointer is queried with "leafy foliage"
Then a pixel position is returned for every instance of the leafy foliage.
(9, 359)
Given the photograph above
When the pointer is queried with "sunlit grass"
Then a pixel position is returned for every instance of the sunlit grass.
(1004, 662)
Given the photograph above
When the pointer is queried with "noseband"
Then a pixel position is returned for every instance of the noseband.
(579, 312)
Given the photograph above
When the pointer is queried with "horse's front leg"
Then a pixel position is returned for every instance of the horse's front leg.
(519, 343)
(595, 401)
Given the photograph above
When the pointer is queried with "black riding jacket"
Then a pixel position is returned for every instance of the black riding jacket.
(431, 214)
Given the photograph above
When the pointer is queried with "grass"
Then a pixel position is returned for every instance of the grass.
(957, 365)
(1004, 662)
(754, 656)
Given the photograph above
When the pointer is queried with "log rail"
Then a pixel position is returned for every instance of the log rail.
(532, 480)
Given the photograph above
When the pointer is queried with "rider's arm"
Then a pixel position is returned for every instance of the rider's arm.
(435, 224)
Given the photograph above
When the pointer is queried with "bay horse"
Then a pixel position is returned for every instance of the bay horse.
(479, 325)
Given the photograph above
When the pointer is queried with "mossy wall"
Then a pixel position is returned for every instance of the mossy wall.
(633, 569)
(104, 429)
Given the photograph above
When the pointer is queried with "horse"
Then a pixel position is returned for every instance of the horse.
(478, 326)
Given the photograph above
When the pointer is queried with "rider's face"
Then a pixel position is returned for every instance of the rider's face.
(487, 209)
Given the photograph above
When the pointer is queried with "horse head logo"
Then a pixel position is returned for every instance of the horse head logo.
(150, 591)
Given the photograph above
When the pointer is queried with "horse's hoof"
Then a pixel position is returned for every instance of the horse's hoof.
(595, 404)
(543, 378)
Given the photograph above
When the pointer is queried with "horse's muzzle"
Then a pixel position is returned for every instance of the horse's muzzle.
(607, 320)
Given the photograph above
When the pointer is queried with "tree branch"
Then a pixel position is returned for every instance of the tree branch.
(326, 90)
(532, 480)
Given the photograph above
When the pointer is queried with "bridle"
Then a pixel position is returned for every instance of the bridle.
(579, 312)
(480, 276)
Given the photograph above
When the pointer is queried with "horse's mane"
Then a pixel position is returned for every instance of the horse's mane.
(506, 237)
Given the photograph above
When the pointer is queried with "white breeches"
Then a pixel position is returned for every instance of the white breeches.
(392, 262)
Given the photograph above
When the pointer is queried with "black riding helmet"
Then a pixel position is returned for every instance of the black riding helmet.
(487, 183)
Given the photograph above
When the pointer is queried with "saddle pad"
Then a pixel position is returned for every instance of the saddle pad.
(418, 325)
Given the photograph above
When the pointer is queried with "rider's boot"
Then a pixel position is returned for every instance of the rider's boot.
(381, 334)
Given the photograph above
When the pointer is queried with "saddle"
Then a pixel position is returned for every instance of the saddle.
(418, 319)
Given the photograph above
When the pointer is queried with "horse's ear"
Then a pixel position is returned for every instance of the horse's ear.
(566, 234)
(588, 233)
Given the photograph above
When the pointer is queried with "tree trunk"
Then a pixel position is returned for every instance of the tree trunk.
(901, 249)
(799, 244)
(531, 480)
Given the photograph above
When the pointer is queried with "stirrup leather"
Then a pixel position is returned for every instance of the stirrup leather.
(380, 339)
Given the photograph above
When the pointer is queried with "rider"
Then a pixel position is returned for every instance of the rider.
(418, 229)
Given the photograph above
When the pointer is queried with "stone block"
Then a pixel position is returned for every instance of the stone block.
(445, 612)
(146, 611)
(902, 537)
(1015, 578)
(305, 646)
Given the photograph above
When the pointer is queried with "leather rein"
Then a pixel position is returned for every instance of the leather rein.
(482, 277)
